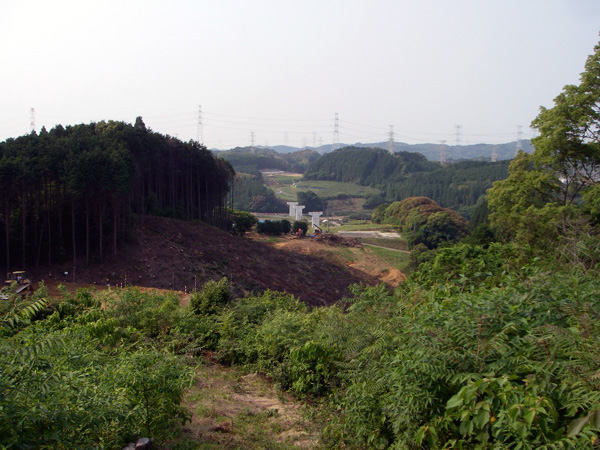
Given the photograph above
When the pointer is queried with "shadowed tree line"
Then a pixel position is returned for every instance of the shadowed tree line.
(71, 193)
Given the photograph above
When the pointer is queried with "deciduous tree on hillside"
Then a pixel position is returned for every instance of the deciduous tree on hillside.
(425, 222)
(558, 184)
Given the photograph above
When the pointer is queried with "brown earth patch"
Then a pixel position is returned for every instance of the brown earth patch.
(181, 255)
(348, 251)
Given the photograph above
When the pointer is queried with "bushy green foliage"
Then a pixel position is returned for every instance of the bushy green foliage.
(423, 221)
(468, 266)
(213, 296)
(373, 201)
(482, 348)
(152, 314)
(242, 222)
(311, 201)
(80, 378)
(494, 368)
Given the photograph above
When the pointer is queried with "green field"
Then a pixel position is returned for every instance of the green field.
(399, 260)
(286, 188)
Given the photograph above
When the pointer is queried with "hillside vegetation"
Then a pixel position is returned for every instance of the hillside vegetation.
(70, 192)
(457, 186)
(491, 343)
(252, 161)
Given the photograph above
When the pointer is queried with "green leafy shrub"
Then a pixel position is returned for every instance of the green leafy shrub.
(61, 390)
(239, 327)
(242, 222)
(152, 314)
(213, 296)
(507, 366)
(311, 368)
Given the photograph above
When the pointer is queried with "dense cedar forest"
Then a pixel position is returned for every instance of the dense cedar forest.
(402, 175)
(250, 194)
(72, 192)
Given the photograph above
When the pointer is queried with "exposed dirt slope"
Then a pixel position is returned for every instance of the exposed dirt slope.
(348, 251)
(174, 254)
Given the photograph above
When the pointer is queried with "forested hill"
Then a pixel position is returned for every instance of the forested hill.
(367, 166)
(71, 192)
(248, 160)
(401, 175)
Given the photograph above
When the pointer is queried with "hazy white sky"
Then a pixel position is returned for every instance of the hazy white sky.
(282, 69)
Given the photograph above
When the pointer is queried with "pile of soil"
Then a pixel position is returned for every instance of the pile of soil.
(182, 255)
(336, 239)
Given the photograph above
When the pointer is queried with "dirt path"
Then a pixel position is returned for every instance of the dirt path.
(235, 411)
(391, 249)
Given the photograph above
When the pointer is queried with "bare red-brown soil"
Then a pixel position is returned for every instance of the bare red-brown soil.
(181, 255)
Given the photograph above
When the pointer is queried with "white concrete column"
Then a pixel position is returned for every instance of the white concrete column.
(292, 206)
(315, 217)
(299, 209)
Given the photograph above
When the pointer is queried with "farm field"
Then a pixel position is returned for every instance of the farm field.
(286, 187)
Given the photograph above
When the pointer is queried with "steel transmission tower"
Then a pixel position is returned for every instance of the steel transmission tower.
(494, 154)
(391, 141)
(336, 133)
(519, 139)
(442, 152)
(199, 134)
(457, 129)
(32, 119)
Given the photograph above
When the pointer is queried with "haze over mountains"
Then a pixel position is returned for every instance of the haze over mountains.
(429, 150)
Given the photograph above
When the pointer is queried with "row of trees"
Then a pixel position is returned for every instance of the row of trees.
(71, 192)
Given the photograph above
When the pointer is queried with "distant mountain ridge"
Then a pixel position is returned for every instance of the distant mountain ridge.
(481, 152)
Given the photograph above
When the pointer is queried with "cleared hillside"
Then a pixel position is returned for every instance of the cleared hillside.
(175, 254)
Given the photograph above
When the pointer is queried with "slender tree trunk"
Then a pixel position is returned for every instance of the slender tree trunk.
(87, 232)
(49, 229)
(7, 232)
(199, 196)
(59, 206)
(23, 227)
(115, 213)
(73, 231)
(100, 230)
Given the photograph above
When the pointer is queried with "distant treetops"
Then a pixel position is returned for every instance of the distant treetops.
(423, 221)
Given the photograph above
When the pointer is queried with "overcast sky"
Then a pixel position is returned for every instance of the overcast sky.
(281, 70)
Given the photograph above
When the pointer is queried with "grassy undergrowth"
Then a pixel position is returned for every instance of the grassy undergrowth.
(481, 349)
